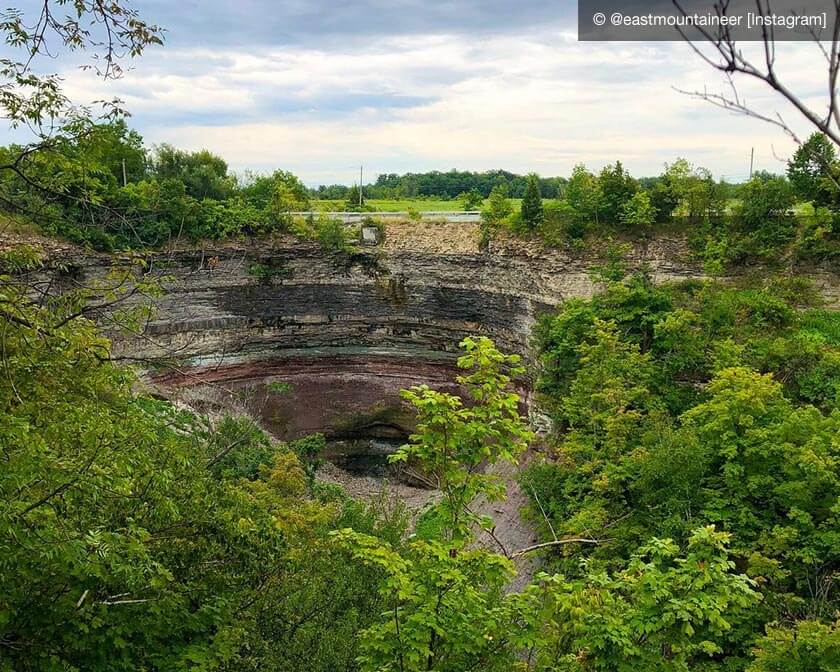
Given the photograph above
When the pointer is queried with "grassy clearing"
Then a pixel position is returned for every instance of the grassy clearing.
(396, 205)
(404, 205)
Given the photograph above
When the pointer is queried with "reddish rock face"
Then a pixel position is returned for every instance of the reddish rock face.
(344, 398)
(354, 401)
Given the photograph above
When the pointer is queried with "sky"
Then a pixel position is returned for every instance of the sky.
(319, 87)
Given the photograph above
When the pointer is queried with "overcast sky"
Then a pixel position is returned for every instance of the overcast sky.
(320, 86)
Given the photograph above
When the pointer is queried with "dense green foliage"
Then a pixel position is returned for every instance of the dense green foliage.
(136, 536)
(139, 537)
(447, 185)
(697, 404)
(689, 502)
(448, 608)
(532, 208)
(813, 171)
(76, 187)
(769, 219)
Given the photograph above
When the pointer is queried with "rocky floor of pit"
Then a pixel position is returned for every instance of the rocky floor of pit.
(512, 531)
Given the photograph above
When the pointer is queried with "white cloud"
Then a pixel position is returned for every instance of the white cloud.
(440, 101)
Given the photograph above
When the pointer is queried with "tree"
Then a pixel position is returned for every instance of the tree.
(638, 212)
(113, 31)
(139, 536)
(765, 214)
(122, 548)
(498, 207)
(445, 607)
(583, 194)
(663, 610)
(35, 101)
(808, 646)
(810, 170)
(687, 191)
(116, 148)
(453, 439)
(471, 200)
(664, 423)
(617, 188)
(671, 189)
(354, 199)
(445, 604)
(532, 208)
(203, 174)
(288, 195)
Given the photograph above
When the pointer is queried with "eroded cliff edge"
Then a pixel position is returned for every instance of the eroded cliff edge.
(413, 296)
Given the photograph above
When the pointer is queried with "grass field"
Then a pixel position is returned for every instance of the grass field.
(404, 205)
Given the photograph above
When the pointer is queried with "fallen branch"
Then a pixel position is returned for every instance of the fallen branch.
(556, 542)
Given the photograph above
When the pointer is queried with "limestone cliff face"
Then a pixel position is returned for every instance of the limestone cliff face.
(413, 296)
(287, 299)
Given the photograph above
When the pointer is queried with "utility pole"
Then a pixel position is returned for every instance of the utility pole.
(752, 155)
(360, 185)
(125, 179)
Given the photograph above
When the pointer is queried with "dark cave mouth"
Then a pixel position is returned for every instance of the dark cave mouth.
(365, 450)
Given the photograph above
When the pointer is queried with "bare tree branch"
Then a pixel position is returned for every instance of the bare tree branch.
(731, 60)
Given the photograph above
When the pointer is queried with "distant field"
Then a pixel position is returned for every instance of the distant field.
(404, 205)
(421, 205)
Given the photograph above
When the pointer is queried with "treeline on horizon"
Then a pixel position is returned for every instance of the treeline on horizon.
(442, 185)
(101, 186)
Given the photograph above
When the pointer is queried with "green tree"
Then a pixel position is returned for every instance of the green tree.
(138, 536)
(444, 603)
(668, 191)
(123, 551)
(445, 607)
(453, 439)
(808, 646)
(765, 214)
(583, 194)
(617, 188)
(471, 200)
(354, 199)
(532, 208)
(498, 207)
(686, 191)
(203, 174)
(661, 611)
(114, 146)
(288, 195)
(662, 427)
(638, 212)
(813, 171)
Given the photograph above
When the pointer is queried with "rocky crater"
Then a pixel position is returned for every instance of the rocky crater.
(310, 341)
(317, 341)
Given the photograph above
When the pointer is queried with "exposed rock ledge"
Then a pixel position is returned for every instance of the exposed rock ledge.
(252, 301)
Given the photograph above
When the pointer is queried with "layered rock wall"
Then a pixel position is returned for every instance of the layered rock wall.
(255, 302)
